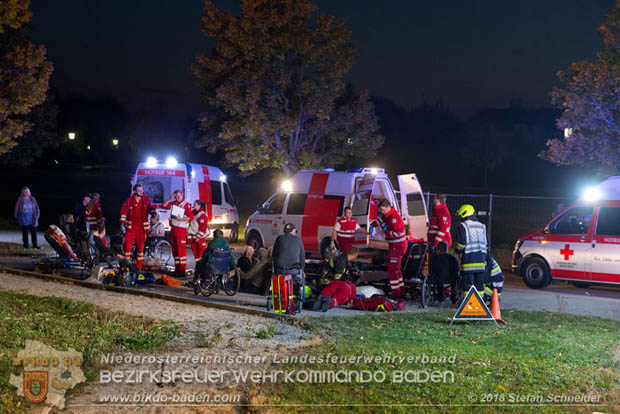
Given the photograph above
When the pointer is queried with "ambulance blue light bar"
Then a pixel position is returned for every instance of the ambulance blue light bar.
(367, 170)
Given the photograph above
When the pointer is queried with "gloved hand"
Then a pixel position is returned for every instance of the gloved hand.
(123, 229)
(384, 227)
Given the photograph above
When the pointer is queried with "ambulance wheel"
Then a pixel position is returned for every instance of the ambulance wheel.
(535, 273)
(231, 283)
(254, 240)
(234, 234)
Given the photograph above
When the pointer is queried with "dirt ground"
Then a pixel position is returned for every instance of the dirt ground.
(207, 333)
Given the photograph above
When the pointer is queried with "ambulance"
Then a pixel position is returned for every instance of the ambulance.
(313, 201)
(198, 182)
(581, 244)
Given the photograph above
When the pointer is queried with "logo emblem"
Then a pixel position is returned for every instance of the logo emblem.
(35, 385)
(567, 252)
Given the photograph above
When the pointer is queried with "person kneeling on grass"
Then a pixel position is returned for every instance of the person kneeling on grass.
(218, 243)
(493, 278)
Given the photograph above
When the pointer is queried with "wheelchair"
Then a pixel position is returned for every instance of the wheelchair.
(158, 248)
(431, 291)
(218, 275)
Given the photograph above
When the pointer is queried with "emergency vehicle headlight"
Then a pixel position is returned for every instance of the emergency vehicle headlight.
(287, 186)
(223, 178)
(151, 162)
(592, 194)
(171, 162)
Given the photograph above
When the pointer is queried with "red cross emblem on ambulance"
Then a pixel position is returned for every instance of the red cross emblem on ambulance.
(567, 252)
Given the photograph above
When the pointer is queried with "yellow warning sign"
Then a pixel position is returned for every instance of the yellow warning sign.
(473, 308)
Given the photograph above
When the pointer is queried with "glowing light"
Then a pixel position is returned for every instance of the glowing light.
(71, 135)
(88, 147)
(592, 194)
(568, 132)
(171, 162)
(374, 171)
(287, 186)
(115, 142)
(223, 178)
(151, 162)
(193, 174)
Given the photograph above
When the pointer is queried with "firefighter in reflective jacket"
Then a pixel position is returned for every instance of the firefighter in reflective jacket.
(472, 244)
(135, 222)
(394, 230)
(493, 278)
(439, 229)
(198, 230)
(178, 230)
(344, 231)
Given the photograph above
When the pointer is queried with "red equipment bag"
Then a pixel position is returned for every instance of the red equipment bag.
(380, 304)
(282, 296)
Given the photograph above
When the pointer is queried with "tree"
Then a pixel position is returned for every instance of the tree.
(275, 89)
(41, 138)
(24, 73)
(590, 99)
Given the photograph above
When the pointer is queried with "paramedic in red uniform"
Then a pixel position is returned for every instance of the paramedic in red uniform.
(344, 231)
(439, 229)
(94, 214)
(135, 222)
(394, 230)
(178, 230)
(198, 230)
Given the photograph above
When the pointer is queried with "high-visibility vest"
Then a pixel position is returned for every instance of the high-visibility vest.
(474, 247)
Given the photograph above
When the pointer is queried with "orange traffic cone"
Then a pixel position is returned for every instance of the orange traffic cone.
(497, 315)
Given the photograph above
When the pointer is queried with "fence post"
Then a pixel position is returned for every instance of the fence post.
(428, 198)
(490, 218)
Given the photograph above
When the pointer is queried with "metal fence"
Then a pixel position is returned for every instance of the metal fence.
(507, 217)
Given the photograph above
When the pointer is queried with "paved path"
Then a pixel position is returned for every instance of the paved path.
(597, 300)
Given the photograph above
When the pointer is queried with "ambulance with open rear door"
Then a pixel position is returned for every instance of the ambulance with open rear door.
(581, 244)
(198, 182)
(313, 201)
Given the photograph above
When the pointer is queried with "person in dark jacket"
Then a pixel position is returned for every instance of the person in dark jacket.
(340, 265)
(27, 214)
(444, 269)
(289, 255)
(80, 211)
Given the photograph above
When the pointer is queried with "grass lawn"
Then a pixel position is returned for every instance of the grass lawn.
(63, 323)
(536, 355)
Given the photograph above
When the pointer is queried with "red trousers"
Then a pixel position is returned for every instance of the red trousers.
(139, 236)
(178, 240)
(396, 252)
(345, 243)
(341, 292)
(198, 247)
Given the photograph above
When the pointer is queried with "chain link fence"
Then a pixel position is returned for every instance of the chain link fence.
(507, 217)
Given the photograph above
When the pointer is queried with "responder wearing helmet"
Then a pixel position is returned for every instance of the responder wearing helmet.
(472, 245)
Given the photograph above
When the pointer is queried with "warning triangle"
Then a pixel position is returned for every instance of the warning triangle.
(473, 308)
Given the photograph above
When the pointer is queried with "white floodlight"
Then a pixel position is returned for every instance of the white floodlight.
(151, 162)
(171, 162)
(592, 194)
(287, 186)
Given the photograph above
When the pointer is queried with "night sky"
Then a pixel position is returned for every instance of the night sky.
(473, 53)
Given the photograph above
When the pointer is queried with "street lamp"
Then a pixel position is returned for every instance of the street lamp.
(71, 135)
(115, 142)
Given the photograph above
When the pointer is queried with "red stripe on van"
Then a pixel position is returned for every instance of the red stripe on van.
(204, 192)
(317, 212)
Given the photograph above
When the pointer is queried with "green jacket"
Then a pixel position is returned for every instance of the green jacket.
(219, 243)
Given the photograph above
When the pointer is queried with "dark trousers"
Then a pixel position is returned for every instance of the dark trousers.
(473, 278)
(33, 235)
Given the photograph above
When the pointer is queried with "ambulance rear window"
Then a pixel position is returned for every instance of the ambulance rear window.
(608, 221)
(415, 204)
(158, 188)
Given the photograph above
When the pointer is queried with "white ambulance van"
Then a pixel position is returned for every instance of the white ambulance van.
(581, 244)
(198, 182)
(313, 201)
